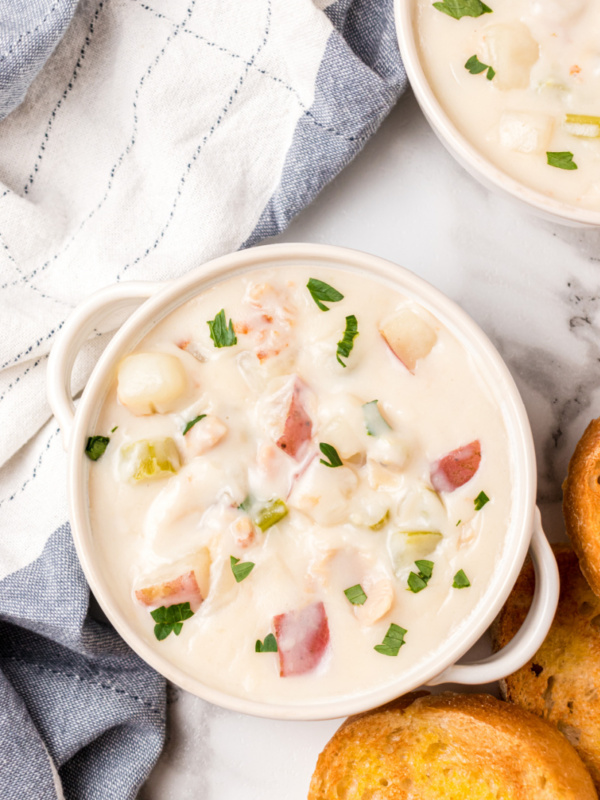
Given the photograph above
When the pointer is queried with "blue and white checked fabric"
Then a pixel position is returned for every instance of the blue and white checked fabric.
(157, 135)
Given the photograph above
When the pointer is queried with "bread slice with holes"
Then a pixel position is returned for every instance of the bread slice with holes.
(562, 682)
(449, 747)
(581, 503)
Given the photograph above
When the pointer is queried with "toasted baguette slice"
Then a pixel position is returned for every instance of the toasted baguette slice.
(581, 503)
(449, 747)
(562, 682)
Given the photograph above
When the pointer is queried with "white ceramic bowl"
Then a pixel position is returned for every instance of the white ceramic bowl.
(464, 152)
(524, 529)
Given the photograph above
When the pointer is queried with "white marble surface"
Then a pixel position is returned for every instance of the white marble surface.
(534, 289)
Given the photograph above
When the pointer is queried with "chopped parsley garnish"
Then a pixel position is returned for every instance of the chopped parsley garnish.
(268, 646)
(170, 618)
(417, 582)
(112, 430)
(320, 291)
(463, 8)
(192, 422)
(331, 453)
(242, 569)
(460, 580)
(562, 160)
(220, 332)
(475, 67)
(481, 500)
(458, 523)
(356, 595)
(346, 343)
(246, 503)
(425, 568)
(95, 447)
(392, 641)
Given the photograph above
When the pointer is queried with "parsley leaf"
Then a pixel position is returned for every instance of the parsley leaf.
(481, 500)
(240, 570)
(331, 453)
(345, 345)
(112, 430)
(323, 291)
(562, 160)
(268, 646)
(416, 583)
(95, 447)
(475, 66)
(425, 568)
(192, 422)
(356, 595)
(460, 580)
(463, 8)
(221, 333)
(392, 641)
(170, 618)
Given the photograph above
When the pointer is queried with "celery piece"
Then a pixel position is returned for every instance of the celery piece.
(149, 459)
(406, 547)
(583, 125)
(382, 522)
(374, 421)
(269, 514)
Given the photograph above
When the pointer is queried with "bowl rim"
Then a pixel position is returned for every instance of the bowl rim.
(178, 291)
(458, 145)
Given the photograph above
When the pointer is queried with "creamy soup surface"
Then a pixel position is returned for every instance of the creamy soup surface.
(522, 83)
(286, 517)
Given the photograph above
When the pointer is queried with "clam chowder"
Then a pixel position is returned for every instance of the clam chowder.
(299, 485)
(520, 79)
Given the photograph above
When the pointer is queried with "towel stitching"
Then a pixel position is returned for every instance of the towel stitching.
(82, 678)
(34, 474)
(266, 73)
(28, 33)
(114, 168)
(78, 63)
(198, 150)
(31, 347)
(18, 378)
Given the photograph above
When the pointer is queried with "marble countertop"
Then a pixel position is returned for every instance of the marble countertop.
(534, 289)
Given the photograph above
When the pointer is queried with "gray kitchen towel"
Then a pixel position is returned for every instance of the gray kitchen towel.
(156, 136)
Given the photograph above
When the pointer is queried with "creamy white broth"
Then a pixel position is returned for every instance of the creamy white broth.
(325, 544)
(546, 56)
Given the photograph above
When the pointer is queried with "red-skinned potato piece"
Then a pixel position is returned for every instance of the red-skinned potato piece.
(183, 589)
(457, 468)
(409, 337)
(297, 428)
(302, 638)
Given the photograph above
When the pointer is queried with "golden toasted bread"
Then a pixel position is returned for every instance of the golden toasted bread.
(562, 682)
(449, 747)
(581, 503)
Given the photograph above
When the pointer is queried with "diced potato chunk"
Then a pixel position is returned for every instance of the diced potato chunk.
(149, 459)
(302, 638)
(409, 337)
(205, 434)
(323, 493)
(191, 584)
(524, 132)
(457, 468)
(512, 51)
(151, 382)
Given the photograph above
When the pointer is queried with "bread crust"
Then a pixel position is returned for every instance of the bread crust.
(449, 747)
(562, 681)
(581, 503)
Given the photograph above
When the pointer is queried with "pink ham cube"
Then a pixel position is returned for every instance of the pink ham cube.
(302, 638)
(183, 589)
(297, 428)
(457, 468)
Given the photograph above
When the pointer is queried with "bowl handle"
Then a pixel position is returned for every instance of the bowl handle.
(533, 631)
(76, 330)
